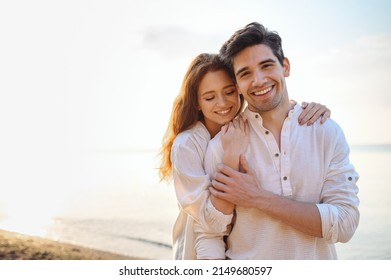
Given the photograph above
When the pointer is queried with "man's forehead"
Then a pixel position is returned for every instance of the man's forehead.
(253, 54)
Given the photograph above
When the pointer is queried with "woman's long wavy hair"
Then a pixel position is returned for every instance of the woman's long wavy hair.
(185, 112)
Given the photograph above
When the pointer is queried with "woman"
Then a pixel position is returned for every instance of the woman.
(207, 103)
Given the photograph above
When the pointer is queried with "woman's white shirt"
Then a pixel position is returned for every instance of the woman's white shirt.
(196, 212)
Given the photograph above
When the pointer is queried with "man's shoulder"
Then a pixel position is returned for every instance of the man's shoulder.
(328, 132)
(329, 127)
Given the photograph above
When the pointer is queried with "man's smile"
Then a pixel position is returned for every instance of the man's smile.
(263, 91)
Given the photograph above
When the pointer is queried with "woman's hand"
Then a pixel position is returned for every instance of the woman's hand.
(235, 136)
(235, 139)
(312, 112)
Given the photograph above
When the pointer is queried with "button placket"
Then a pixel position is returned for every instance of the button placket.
(285, 158)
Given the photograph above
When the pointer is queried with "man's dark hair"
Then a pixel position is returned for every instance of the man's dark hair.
(252, 34)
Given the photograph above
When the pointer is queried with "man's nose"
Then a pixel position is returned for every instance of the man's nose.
(258, 79)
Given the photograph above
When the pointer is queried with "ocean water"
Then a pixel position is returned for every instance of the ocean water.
(115, 202)
(372, 240)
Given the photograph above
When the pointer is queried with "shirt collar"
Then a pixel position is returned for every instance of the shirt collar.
(294, 112)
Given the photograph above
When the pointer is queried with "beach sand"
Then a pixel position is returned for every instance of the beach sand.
(15, 246)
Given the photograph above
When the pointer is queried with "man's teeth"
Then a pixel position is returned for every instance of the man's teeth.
(264, 91)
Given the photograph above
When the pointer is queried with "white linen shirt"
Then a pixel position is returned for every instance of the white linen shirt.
(311, 166)
(196, 210)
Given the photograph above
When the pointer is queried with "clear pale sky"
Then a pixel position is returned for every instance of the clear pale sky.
(102, 75)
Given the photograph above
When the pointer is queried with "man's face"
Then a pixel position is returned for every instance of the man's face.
(261, 77)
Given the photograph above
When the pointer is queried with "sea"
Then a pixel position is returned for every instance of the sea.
(114, 201)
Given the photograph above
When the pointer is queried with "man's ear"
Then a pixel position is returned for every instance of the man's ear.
(287, 67)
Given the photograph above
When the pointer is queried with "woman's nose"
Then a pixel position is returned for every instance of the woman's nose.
(222, 100)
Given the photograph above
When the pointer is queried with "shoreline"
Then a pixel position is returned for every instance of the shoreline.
(17, 246)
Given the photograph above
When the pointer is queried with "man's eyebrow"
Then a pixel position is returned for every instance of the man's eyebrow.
(240, 71)
(267, 61)
(260, 63)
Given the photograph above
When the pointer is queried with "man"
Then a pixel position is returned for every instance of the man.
(297, 195)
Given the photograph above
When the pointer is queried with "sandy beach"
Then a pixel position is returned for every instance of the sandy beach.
(15, 246)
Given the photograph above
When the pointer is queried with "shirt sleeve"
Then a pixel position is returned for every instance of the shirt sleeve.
(339, 204)
(210, 244)
(191, 185)
(214, 156)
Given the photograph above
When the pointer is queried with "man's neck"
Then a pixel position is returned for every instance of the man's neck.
(274, 120)
(276, 117)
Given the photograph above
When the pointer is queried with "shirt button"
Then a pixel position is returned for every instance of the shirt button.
(267, 132)
(277, 154)
(256, 116)
(350, 178)
(285, 178)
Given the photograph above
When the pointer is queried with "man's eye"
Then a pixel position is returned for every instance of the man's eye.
(244, 74)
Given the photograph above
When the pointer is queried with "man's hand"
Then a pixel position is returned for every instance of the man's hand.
(239, 188)
(243, 189)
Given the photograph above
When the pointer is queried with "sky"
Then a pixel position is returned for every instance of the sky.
(89, 76)
(94, 75)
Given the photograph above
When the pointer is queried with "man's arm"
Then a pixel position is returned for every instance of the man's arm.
(243, 189)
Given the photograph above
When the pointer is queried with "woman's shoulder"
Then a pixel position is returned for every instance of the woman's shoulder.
(197, 135)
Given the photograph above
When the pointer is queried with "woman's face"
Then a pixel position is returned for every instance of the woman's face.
(218, 99)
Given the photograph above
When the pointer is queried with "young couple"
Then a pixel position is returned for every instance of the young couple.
(272, 181)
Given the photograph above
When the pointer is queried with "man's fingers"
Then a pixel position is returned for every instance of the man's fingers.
(215, 192)
(218, 186)
(226, 170)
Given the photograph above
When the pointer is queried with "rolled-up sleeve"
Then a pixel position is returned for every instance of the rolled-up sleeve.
(339, 202)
